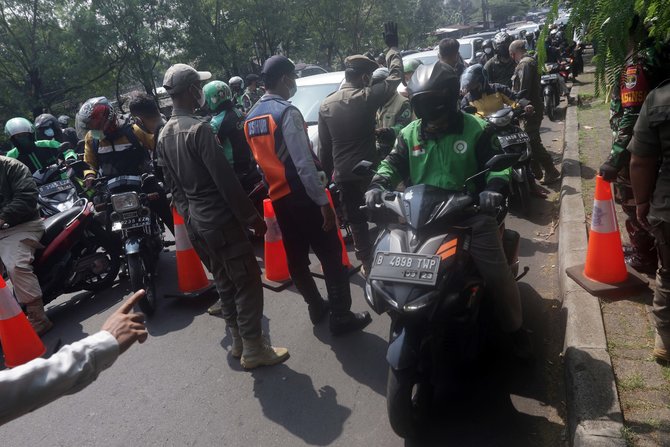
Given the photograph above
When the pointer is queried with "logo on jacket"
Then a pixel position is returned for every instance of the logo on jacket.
(460, 147)
(418, 150)
(258, 127)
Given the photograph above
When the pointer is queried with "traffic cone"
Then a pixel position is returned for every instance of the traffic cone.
(191, 276)
(345, 255)
(20, 342)
(276, 266)
(605, 270)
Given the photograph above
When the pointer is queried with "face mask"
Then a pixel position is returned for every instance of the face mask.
(292, 89)
(24, 141)
(49, 132)
(200, 98)
(97, 134)
(487, 50)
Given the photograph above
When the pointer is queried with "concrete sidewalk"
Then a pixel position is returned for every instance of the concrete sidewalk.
(594, 415)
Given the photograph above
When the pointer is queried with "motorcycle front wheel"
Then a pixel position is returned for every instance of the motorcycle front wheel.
(98, 243)
(141, 279)
(408, 400)
(522, 193)
(550, 106)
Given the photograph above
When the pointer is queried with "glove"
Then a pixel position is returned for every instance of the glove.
(391, 34)
(490, 200)
(608, 172)
(385, 135)
(373, 197)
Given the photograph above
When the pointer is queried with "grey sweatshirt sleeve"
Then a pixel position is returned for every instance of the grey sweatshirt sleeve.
(40, 381)
(300, 149)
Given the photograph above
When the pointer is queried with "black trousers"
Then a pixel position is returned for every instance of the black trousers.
(300, 225)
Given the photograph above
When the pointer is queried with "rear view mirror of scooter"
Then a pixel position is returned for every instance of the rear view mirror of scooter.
(364, 168)
(500, 162)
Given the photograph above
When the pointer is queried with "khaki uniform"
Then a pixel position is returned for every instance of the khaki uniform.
(207, 193)
(347, 136)
(526, 77)
(395, 114)
(651, 138)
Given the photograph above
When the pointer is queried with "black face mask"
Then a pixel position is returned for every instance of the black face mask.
(24, 142)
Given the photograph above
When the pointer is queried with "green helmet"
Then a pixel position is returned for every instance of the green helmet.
(216, 92)
(410, 65)
(18, 125)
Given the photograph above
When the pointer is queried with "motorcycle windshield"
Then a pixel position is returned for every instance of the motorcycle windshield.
(426, 204)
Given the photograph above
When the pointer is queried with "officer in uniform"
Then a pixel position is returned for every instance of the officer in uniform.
(216, 209)
(252, 93)
(277, 134)
(391, 117)
(651, 189)
(500, 68)
(526, 77)
(636, 80)
(347, 133)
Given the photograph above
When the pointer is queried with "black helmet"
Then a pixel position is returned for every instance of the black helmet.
(47, 127)
(501, 41)
(472, 77)
(433, 90)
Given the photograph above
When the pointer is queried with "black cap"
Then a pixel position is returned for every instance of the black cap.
(277, 66)
(251, 77)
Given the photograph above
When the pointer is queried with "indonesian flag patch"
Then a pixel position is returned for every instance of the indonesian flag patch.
(418, 150)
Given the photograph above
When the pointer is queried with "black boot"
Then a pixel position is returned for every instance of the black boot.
(316, 305)
(343, 320)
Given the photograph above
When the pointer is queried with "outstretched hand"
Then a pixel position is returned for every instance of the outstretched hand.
(391, 34)
(126, 326)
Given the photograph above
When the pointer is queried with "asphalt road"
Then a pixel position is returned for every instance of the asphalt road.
(182, 388)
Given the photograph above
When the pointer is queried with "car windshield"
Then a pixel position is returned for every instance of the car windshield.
(308, 100)
(427, 60)
(465, 50)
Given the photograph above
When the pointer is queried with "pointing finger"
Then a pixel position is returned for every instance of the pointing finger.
(130, 302)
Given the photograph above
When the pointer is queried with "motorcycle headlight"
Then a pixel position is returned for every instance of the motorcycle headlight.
(126, 201)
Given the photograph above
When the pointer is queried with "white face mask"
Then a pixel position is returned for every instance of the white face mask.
(292, 89)
(200, 98)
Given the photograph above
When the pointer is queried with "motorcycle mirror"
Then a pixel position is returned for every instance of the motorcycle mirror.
(363, 168)
(502, 161)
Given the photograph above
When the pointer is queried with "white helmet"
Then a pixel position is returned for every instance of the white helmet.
(236, 80)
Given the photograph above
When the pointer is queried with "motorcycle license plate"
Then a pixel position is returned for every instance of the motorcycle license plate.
(549, 77)
(133, 222)
(513, 139)
(405, 268)
(55, 187)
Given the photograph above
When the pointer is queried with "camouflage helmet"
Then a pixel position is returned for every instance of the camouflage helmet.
(216, 92)
(18, 125)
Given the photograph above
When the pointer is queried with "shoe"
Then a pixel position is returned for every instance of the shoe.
(551, 177)
(522, 346)
(259, 352)
(237, 346)
(641, 265)
(38, 318)
(661, 344)
(317, 311)
(341, 323)
(215, 309)
(537, 171)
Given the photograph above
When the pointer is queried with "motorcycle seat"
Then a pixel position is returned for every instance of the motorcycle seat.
(56, 224)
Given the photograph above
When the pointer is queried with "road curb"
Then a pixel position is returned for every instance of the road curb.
(594, 413)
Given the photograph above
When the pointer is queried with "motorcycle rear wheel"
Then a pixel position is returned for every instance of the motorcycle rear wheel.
(550, 107)
(408, 400)
(522, 193)
(111, 250)
(140, 279)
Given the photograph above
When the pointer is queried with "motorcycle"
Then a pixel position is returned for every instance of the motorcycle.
(77, 254)
(139, 230)
(59, 187)
(515, 140)
(551, 90)
(423, 277)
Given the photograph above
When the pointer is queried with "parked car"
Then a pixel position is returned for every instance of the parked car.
(312, 90)
(304, 70)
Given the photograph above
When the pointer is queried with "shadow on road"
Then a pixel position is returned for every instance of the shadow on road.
(289, 399)
(362, 355)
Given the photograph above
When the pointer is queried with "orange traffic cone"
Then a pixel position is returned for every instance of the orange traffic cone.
(191, 275)
(20, 343)
(276, 266)
(345, 255)
(605, 270)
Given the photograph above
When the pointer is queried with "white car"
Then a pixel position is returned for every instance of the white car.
(312, 90)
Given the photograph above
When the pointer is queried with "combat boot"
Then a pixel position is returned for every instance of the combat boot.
(258, 352)
(662, 346)
(237, 346)
(38, 318)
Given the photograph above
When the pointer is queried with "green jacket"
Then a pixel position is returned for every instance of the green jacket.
(446, 161)
(18, 193)
(46, 153)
